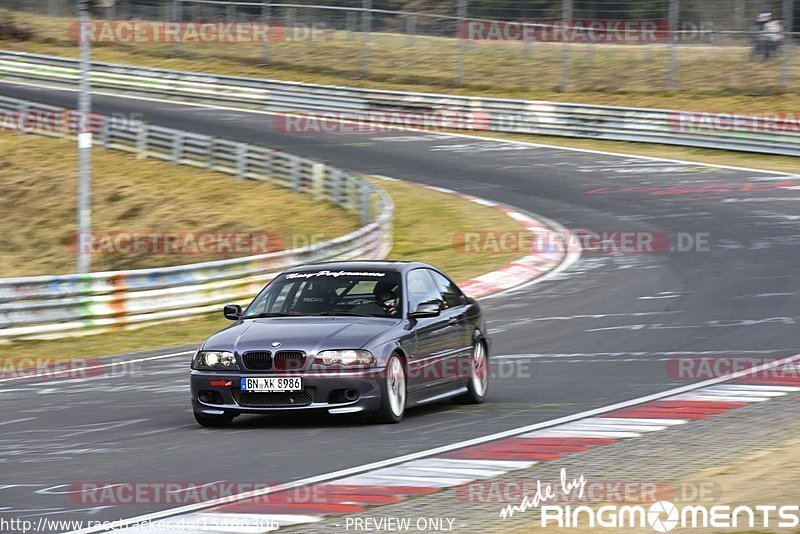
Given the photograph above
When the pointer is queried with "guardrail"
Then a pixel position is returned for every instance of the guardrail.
(742, 133)
(44, 307)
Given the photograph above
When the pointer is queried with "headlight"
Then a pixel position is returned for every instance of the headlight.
(214, 361)
(345, 358)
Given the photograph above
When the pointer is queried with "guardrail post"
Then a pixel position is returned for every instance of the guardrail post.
(318, 180)
(366, 30)
(365, 197)
(269, 165)
(295, 175)
(105, 134)
(241, 160)
(674, 10)
(786, 65)
(566, 15)
(141, 140)
(177, 148)
(460, 45)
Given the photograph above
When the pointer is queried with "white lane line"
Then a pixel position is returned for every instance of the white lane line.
(521, 431)
(369, 479)
(581, 434)
(507, 465)
(598, 424)
(719, 398)
(664, 422)
(748, 387)
(17, 420)
(99, 366)
(741, 393)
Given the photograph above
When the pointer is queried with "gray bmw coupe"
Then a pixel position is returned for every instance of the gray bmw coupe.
(371, 338)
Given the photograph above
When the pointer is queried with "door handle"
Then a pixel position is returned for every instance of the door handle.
(453, 321)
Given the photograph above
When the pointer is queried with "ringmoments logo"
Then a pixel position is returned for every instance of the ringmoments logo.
(661, 516)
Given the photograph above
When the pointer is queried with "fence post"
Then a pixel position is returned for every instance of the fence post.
(266, 18)
(411, 30)
(674, 9)
(527, 40)
(291, 22)
(788, 17)
(566, 16)
(461, 44)
(351, 25)
(177, 13)
(366, 30)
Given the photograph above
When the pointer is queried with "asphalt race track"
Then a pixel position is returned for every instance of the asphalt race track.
(599, 333)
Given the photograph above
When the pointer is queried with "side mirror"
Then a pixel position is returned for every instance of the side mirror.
(232, 312)
(431, 308)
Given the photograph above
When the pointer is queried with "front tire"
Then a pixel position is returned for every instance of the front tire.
(213, 421)
(478, 383)
(393, 400)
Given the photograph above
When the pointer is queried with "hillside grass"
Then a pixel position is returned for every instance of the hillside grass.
(711, 78)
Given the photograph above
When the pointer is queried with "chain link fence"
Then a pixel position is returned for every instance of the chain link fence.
(561, 45)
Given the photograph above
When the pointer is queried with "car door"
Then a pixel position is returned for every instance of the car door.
(434, 336)
(461, 330)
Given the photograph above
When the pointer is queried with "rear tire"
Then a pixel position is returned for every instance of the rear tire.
(213, 421)
(393, 399)
(478, 383)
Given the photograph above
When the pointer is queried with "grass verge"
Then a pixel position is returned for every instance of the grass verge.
(711, 78)
(140, 196)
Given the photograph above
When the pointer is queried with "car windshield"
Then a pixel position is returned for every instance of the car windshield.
(330, 293)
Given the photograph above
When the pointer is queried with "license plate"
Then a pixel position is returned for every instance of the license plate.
(272, 384)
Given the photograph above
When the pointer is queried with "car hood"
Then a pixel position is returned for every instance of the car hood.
(307, 334)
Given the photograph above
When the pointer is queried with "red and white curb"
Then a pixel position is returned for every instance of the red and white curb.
(531, 267)
(481, 458)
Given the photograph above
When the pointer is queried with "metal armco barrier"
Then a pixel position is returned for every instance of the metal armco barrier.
(43, 307)
(762, 135)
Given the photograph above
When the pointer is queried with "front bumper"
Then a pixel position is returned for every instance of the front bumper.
(326, 391)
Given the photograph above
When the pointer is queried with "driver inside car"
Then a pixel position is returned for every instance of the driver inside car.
(386, 302)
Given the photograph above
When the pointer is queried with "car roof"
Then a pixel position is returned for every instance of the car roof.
(381, 265)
